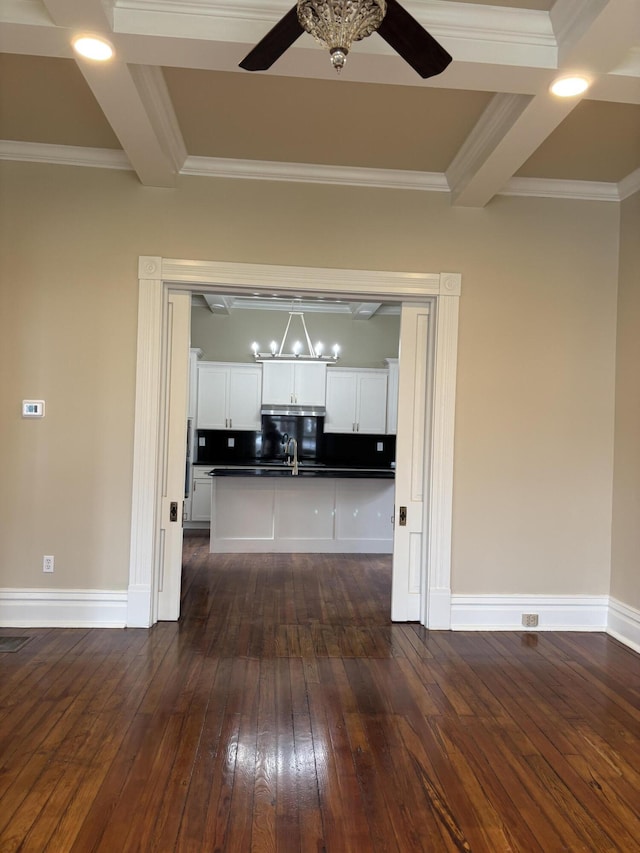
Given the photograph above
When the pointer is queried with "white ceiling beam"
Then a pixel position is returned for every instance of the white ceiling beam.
(217, 303)
(596, 35)
(93, 15)
(131, 113)
(363, 310)
(134, 99)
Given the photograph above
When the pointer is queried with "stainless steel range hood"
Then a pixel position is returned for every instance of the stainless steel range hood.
(291, 411)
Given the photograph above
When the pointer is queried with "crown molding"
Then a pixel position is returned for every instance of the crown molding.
(483, 22)
(64, 155)
(262, 170)
(554, 188)
(629, 185)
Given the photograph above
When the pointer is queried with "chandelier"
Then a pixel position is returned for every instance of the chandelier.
(335, 24)
(314, 353)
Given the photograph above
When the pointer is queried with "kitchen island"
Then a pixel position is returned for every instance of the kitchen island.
(264, 508)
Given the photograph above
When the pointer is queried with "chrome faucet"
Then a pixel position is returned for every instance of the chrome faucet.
(289, 461)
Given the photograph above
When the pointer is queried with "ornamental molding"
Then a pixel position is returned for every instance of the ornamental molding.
(263, 170)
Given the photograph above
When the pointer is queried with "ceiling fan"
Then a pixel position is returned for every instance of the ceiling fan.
(335, 24)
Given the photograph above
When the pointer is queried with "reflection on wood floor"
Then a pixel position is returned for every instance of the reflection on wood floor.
(285, 712)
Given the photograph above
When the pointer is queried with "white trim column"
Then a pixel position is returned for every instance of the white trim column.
(437, 600)
(140, 609)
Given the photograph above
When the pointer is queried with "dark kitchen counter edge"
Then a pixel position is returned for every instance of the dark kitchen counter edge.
(273, 471)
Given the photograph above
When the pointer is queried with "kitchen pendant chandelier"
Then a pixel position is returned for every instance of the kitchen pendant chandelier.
(314, 353)
(335, 24)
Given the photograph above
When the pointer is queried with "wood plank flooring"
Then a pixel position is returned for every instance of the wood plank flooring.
(284, 712)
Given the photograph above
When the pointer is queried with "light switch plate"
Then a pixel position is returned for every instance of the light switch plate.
(33, 408)
(231, 442)
(379, 447)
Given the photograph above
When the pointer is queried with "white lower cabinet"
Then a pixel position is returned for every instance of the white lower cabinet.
(300, 514)
(356, 401)
(201, 489)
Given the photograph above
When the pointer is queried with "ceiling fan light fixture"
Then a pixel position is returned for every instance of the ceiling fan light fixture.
(570, 86)
(336, 24)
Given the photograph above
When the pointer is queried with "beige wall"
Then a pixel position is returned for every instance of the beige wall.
(534, 430)
(363, 343)
(625, 562)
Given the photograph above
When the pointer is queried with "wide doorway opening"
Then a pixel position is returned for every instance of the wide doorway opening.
(421, 570)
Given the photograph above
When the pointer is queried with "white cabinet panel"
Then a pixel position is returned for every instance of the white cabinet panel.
(244, 398)
(242, 510)
(201, 494)
(277, 383)
(303, 513)
(363, 512)
(356, 401)
(341, 402)
(372, 403)
(299, 514)
(229, 396)
(294, 383)
(310, 383)
(213, 384)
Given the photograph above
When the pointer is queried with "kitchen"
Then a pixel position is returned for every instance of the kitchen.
(292, 453)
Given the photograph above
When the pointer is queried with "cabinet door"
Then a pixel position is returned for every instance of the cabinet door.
(277, 383)
(245, 385)
(372, 403)
(310, 383)
(341, 401)
(201, 499)
(212, 396)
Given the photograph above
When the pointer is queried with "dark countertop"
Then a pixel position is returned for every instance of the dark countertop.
(304, 470)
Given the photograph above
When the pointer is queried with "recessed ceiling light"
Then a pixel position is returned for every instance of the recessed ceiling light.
(93, 48)
(569, 87)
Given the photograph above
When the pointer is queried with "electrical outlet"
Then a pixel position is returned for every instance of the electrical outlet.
(530, 620)
(47, 564)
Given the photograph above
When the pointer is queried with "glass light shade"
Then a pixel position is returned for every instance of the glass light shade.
(569, 87)
(336, 24)
(93, 48)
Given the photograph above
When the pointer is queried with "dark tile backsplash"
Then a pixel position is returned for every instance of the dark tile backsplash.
(225, 447)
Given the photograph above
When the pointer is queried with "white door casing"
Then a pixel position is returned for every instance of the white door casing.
(441, 291)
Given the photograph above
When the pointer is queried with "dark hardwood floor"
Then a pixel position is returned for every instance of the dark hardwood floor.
(285, 712)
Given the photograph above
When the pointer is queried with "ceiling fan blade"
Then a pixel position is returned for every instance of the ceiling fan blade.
(414, 44)
(274, 44)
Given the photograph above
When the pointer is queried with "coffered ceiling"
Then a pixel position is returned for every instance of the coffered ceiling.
(174, 102)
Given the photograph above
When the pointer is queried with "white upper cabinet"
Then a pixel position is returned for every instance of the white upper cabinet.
(229, 396)
(294, 383)
(356, 401)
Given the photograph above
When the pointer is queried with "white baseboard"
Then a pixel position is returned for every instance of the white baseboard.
(624, 623)
(77, 608)
(504, 612)
(68, 608)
